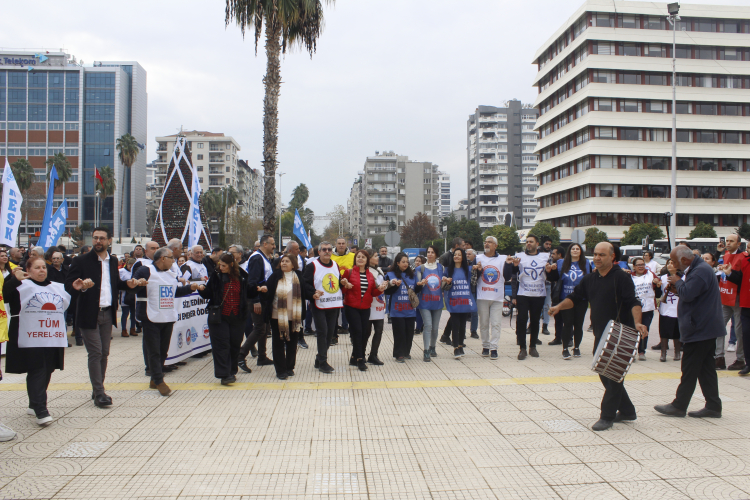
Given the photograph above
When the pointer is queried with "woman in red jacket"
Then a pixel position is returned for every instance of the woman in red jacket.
(359, 287)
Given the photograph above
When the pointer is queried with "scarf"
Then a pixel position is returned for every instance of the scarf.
(282, 308)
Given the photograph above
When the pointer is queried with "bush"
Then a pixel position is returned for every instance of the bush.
(702, 230)
(635, 234)
(507, 239)
(594, 236)
(546, 229)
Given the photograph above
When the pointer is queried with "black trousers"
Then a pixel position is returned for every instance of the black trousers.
(745, 320)
(359, 322)
(698, 365)
(325, 325)
(377, 324)
(156, 337)
(458, 327)
(258, 336)
(403, 336)
(572, 320)
(558, 327)
(528, 308)
(284, 351)
(615, 396)
(37, 382)
(646, 319)
(226, 340)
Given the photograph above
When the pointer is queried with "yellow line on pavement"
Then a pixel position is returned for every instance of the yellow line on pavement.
(393, 384)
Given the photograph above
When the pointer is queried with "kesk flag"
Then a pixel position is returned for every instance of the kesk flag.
(10, 213)
(299, 230)
(48, 209)
(56, 226)
(196, 226)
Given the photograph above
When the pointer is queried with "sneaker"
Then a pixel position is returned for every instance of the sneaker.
(264, 361)
(334, 341)
(545, 331)
(362, 365)
(493, 355)
(433, 353)
(243, 366)
(457, 353)
(566, 354)
(400, 359)
(555, 342)
(642, 356)
(30, 411)
(44, 418)
(325, 367)
(538, 342)
(602, 425)
(462, 351)
(570, 344)
(445, 340)
(290, 373)
(485, 353)
(533, 352)
(474, 335)
(732, 348)
(522, 354)
(6, 433)
(576, 353)
(302, 343)
(426, 357)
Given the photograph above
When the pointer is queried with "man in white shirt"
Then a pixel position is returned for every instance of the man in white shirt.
(490, 295)
(198, 270)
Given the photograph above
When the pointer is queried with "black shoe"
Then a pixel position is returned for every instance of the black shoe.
(522, 354)
(373, 360)
(102, 401)
(309, 331)
(243, 366)
(533, 352)
(317, 364)
(576, 353)
(408, 356)
(744, 371)
(570, 344)
(325, 367)
(138, 329)
(538, 342)
(181, 363)
(169, 369)
(656, 347)
(417, 332)
(281, 376)
(485, 353)
(79, 341)
(253, 352)
(147, 373)
(433, 352)
(264, 361)
(401, 360)
(566, 354)
(352, 361)
(544, 330)
(343, 331)
(334, 341)
(104, 395)
(302, 343)
(228, 380)
(290, 373)
(704, 413)
(426, 357)
(555, 342)
(445, 340)
(493, 355)
(362, 365)
(602, 425)
(670, 410)
(623, 418)
(474, 335)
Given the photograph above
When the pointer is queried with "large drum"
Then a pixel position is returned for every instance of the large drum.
(617, 349)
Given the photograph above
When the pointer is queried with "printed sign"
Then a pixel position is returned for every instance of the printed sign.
(190, 332)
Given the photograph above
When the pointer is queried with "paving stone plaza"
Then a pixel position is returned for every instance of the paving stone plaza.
(450, 429)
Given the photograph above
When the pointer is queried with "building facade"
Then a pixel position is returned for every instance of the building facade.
(49, 104)
(250, 188)
(501, 164)
(395, 189)
(354, 208)
(445, 195)
(605, 103)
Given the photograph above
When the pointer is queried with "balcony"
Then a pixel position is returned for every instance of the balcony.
(216, 159)
(215, 171)
(489, 191)
(373, 168)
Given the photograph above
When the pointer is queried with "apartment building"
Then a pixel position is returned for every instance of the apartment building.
(250, 187)
(501, 164)
(395, 189)
(354, 208)
(605, 117)
(445, 195)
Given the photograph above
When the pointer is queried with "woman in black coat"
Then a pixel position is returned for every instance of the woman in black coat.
(37, 363)
(227, 288)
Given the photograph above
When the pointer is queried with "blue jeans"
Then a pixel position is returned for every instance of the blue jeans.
(732, 335)
(474, 322)
(547, 304)
(124, 317)
(431, 319)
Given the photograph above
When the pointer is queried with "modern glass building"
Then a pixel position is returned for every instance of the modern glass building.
(49, 104)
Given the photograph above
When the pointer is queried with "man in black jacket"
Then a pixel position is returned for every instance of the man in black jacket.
(258, 268)
(384, 262)
(96, 312)
(57, 271)
(210, 261)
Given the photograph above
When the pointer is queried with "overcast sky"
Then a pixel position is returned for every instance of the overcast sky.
(399, 75)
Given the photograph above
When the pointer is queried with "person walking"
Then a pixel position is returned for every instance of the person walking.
(643, 279)
(419, 325)
(344, 258)
(572, 270)
(730, 302)
(127, 301)
(556, 255)
(700, 317)
(259, 269)
(323, 281)
(228, 290)
(611, 293)
(96, 312)
(285, 308)
(36, 303)
(493, 269)
(293, 250)
(669, 328)
(459, 300)
(445, 261)
(401, 280)
(377, 314)
(471, 256)
(740, 276)
(359, 288)
(430, 276)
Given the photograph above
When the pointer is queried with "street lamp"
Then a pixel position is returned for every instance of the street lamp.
(280, 204)
(673, 9)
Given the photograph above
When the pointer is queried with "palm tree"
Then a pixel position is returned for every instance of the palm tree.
(229, 197)
(108, 188)
(64, 170)
(24, 174)
(289, 24)
(128, 152)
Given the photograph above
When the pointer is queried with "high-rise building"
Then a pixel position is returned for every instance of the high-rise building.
(605, 103)
(354, 208)
(49, 104)
(445, 195)
(250, 187)
(501, 163)
(395, 189)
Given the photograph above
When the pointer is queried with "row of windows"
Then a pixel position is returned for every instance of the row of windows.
(39, 79)
(643, 163)
(643, 191)
(38, 126)
(634, 21)
(712, 53)
(617, 219)
(37, 152)
(39, 112)
(39, 96)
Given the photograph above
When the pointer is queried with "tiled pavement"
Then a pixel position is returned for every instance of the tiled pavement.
(450, 429)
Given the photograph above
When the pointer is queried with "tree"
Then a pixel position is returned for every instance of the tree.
(507, 239)
(299, 198)
(378, 240)
(744, 231)
(64, 170)
(337, 227)
(541, 229)
(289, 23)
(702, 230)
(24, 174)
(635, 234)
(594, 236)
(229, 197)
(468, 230)
(107, 188)
(244, 228)
(417, 231)
(127, 148)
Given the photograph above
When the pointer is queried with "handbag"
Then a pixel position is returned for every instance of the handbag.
(214, 312)
(413, 299)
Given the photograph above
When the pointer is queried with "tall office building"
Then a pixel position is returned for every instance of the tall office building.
(395, 189)
(445, 195)
(51, 104)
(605, 104)
(501, 163)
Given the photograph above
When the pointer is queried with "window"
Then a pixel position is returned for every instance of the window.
(606, 219)
(684, 192)
(730, 137)
(632, 191)
(227, 158)
(97, 96)
(706, 81)
(654, 107)
(683, 136)
(708, 165)
(605, 132)
(684, 81)
(730, 54)
(630, 49)
(631, 134)
(684, 108)
(200, 145)
(708, 192)
(628, 21)
(71, 112)
(656, 191)
(226, 169)
(629, 106)
(683, 52)
(630, 78)
(654, 23)
(731, 110)
(200, 168)
(604, 77)
(706, 25)
(606, 190)
(603, 105)
(730, 166)
(684, 164)
(200, 156)
(603, 20)
(655, 79)
(100, 80)
(71, 126)
(730, 220)
(17, 79)
(654, 51)
(705, 109)
(705, 53)
(731, 193)
(631, 162)
(605, 162)
(708, 137)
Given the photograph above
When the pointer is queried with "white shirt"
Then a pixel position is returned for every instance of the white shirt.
(300, 265)
(105, 293)
(653, 266)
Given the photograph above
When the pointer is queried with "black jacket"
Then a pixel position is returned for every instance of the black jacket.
(384, 263)
(55, 275)
(210, 265)
(699, 311)
(272, 284)
(256, 276)
(140, 306)
(214, 291)
(87, 266)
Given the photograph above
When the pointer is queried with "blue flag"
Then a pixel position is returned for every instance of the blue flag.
(48, 209)
(299, 230)
(56, 226)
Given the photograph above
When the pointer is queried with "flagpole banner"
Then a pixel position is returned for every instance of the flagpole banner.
(10, 213)
(299, 230)
(56, 226)
(196, 226)
(44, 232)
(190, 331)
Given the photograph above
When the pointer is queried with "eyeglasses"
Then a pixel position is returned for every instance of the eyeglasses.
(326, 249)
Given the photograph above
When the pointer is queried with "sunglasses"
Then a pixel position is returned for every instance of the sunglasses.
(326, 249)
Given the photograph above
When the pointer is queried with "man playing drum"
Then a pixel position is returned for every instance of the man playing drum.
(611, 293)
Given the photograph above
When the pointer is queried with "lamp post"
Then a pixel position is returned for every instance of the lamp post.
(280, 204)
(673, 9)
